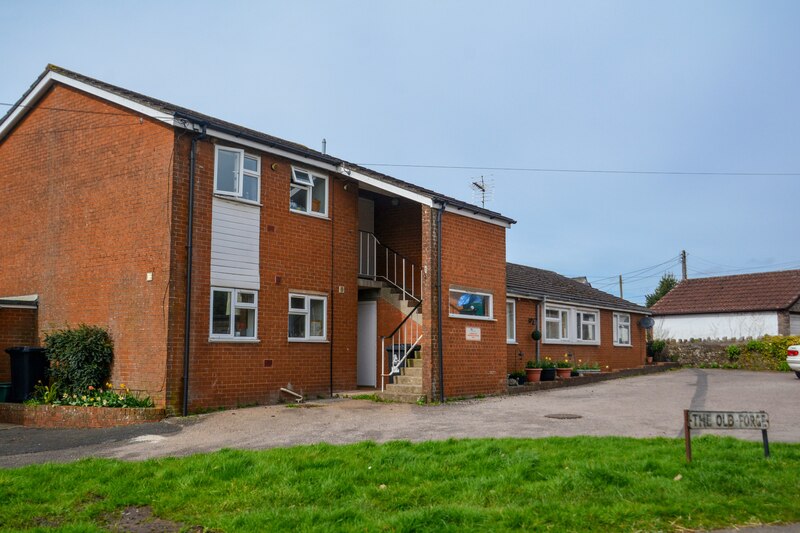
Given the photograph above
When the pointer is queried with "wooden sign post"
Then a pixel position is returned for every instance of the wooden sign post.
(724, 420)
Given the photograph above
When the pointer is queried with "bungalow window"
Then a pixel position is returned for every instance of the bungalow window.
(233, 313)
(622, 329)
(556, 324)
(308, 193)
(470, 305)
(237, 174)
(307, 317)
(587, 326)
(511, 321)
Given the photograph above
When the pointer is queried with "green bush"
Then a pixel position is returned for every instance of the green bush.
(79, 358)
(767, 353)
(734, 352)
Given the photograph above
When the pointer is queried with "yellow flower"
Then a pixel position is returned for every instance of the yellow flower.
(121, 385)
(83, 398)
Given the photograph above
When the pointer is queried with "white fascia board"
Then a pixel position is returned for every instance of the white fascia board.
(382, 185)
(465, 212)
(52, 77)
(580, 305)
(269, 149)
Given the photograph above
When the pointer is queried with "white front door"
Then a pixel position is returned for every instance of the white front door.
(367, 344)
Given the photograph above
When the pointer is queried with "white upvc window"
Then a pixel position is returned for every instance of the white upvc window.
(237, 174)
(511, 321)
(586, 322)
(622, 329)
(570, 325)
(234, 314)
(469, 304)
(556, 322)
(307, 317)
(308, 193)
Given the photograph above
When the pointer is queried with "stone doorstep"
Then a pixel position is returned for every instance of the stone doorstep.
(70, 416)
(592, 378)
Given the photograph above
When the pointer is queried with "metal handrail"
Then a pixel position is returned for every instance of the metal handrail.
(368, 266)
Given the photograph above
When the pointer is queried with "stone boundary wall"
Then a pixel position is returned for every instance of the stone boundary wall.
(698, 353)
(69, 416)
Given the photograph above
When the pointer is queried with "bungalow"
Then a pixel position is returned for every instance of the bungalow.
(229, 264)
(731, 307)
(570, 317)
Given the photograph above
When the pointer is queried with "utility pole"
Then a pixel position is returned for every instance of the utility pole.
(620, 286)
(683, 264)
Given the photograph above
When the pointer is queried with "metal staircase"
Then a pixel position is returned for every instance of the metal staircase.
(401, 374)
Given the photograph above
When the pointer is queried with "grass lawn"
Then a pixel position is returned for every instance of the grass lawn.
(559, 484)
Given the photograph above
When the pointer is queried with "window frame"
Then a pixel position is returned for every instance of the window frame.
(309, 188)
(231, 335)
(306, 311)
(572, 318)
(617, 316)
(512, 322)
(489, 316)
(240, 175)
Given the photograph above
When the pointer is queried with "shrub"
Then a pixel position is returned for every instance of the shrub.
(79, 358)
(734, 352)
(91, 397)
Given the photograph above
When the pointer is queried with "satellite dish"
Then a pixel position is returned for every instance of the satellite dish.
(647, 322)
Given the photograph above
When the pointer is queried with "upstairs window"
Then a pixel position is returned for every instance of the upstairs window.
(237, 174)
(309, 193)
(622, 329)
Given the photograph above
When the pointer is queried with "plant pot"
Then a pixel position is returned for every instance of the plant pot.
(5, 391)
(533, 374)
(548, 374)
(563, 373)
(649, 360)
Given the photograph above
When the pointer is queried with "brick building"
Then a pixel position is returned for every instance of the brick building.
(573, 318)
(229, 264)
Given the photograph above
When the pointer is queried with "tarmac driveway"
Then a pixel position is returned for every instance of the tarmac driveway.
(644, 406)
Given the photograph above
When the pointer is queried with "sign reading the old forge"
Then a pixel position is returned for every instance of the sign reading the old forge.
(728, 420)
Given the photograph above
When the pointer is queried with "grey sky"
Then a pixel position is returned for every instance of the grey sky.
(663, 86)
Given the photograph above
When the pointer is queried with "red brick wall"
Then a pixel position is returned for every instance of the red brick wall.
(86, 204)
(615, 357)
(474, 256)
(17, 328)
(297, 253)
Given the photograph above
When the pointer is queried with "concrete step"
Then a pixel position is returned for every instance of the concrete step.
(412, 371)
(408, 380)
(400, 397)
(414, 363)
(404, 389)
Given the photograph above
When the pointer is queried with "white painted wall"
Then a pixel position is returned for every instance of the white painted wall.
(716, 326)
(234, 244)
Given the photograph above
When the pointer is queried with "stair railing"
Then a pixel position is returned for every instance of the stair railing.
(404, 340)
(380, 263)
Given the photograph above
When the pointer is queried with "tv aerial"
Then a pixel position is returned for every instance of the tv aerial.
(482, 190)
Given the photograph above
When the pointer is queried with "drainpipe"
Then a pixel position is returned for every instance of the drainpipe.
(439, 213)
(189, 231)
(333, 292)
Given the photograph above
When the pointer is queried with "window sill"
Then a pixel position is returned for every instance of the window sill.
(511, 342)
(623, 345)
(572, 342)
(237, 199)
(312, 215)
(237, 340)
(310, 341)
(469, 317)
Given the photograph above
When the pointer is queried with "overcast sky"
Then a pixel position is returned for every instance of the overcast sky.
(692, 87)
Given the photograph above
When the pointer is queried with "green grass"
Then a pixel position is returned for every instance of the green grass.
(558, 484)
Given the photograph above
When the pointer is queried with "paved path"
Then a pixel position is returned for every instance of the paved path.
(645, 406)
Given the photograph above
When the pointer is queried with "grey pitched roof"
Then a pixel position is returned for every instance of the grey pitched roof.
(257, 136)
(537, 283)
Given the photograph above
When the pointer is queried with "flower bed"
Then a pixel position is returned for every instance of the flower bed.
(70, 416)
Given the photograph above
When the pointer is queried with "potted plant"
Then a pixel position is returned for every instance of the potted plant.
(654, 349)
(533, 371)
(587, 368)
(563, 368)
(519, 375)
(548, 369)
